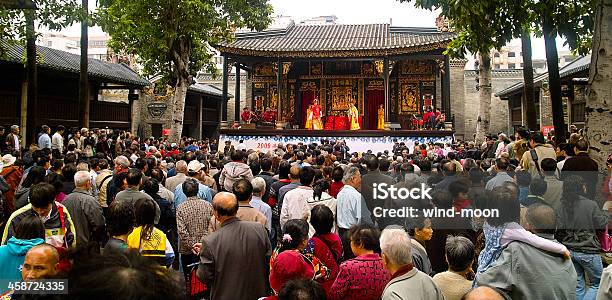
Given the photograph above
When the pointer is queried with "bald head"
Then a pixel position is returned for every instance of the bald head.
(483, 293)
(40, 262)
(181, 166)
(294, 172)
(225, 204)
(541, 218)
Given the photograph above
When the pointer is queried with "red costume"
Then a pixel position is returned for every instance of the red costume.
(246, 116)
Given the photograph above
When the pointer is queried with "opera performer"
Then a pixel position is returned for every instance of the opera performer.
(353, 115)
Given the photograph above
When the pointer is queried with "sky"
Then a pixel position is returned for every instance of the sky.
(353, 12)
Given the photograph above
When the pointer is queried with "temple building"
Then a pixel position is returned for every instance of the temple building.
(401, 68)
(574, 79)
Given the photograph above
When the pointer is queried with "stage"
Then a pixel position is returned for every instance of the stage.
(357, 140)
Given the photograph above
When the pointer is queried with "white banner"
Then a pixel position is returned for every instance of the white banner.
(355, 144)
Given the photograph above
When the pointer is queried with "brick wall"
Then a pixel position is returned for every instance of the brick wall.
(501, 79)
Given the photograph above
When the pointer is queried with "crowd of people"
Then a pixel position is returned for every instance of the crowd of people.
(131, 218)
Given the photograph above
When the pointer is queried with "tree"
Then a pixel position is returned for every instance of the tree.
(529, 90)
(173, 38)
(84, 102)
(599, 115)
(484, 90)
(485, 24)
(18, 26)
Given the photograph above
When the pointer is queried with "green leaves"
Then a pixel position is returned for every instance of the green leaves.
(485, 24)
(51, 14)
(173, 38)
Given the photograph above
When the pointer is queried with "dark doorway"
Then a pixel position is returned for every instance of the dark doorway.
(156, 130)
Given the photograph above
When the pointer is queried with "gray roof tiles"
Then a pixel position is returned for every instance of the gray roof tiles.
(338, 37)
(65, 61)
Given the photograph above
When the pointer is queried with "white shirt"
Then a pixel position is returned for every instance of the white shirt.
(295, 204)
(241, 147)
(57, 142)
(262, 207)
(351, 208)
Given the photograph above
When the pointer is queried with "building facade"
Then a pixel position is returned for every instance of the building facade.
(402, 69)
(574, 79)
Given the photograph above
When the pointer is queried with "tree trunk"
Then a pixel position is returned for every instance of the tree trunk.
(554, 82)
(84, 102)
(484, 110)
(528, 79)
(599, 94)
(178, 109)
(29, 132)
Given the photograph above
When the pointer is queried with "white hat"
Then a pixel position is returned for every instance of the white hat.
(173, 145)
(194, 166)
(8, 160)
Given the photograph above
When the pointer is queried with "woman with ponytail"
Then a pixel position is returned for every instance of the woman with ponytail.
(578, 218)
(150, 241)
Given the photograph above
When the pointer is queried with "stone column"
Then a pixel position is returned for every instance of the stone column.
(545, 106)
(387, 94)
(237, 95)
(457, 96)
(223, 111)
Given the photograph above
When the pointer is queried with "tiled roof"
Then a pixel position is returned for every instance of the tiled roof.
(338, 37)
(208, 89)
(580, 64)
(68, 62)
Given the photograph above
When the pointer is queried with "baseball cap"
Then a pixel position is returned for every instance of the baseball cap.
(194, 166)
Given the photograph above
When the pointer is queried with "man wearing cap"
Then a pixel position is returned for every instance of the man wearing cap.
(12, 175)
(195, 171)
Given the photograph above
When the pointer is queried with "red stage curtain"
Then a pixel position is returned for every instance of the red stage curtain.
(374, 99)
(307, 97)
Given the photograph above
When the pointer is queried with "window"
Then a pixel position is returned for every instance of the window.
(511, 54)
(218, 60)
(511, 67)
(496, 54)
(496, 66)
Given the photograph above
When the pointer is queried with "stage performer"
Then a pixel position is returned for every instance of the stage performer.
(381, 118)
(246, 115)
(317, 115)
(309, 117)
(353, 115)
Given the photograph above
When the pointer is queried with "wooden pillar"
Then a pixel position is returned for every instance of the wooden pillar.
(279, 73)
(446, 84)
(199, 127)
(84, 99)
(387, 92)
(237, 94)
(223, 107)
(29, 133)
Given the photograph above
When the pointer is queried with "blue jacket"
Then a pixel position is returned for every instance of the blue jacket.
(12, 255)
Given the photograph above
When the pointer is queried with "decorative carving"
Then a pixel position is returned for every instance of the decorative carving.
(340, 53)
(409, 98)
(379, 66)
(309, 86)
(264, 69)
(157, 109)
(367, 69)
(316, 69)
(167, 96)
(410, 67)
(286, 68)
(375, 85)
(148, 90)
